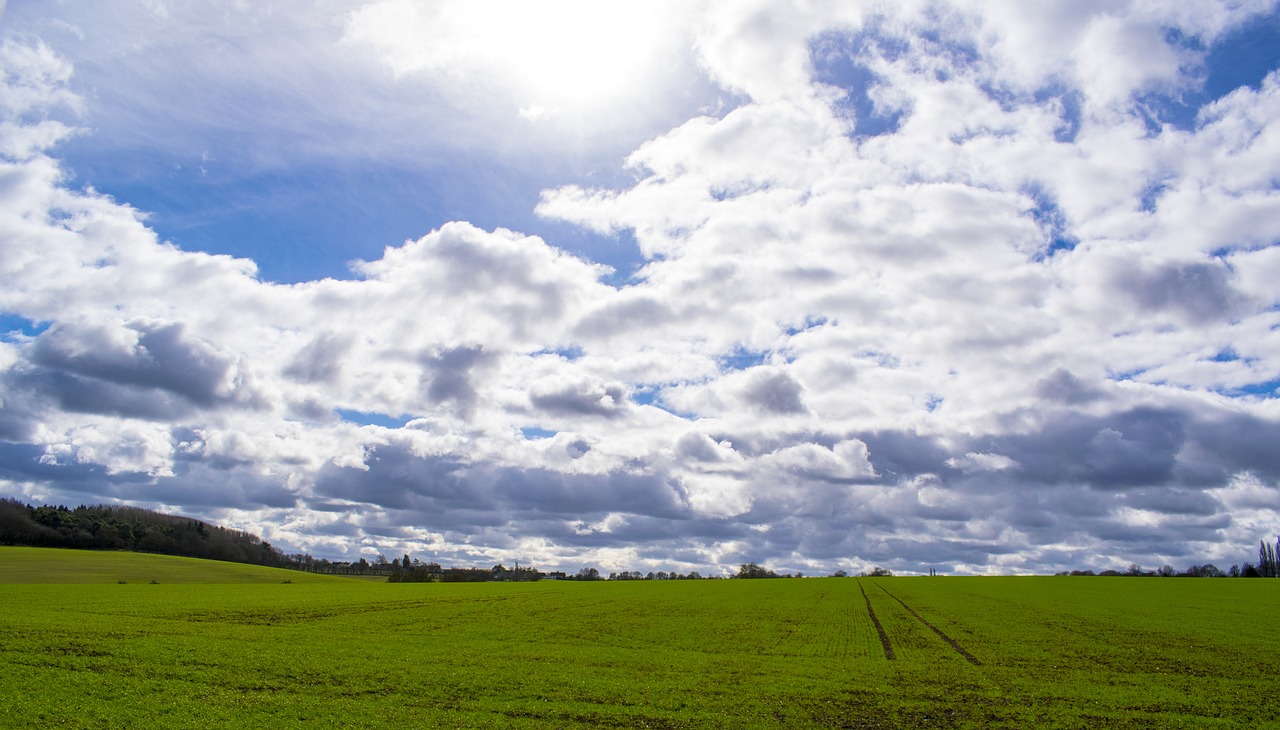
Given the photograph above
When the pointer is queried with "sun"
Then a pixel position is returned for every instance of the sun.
(549, 56)
(577, 52)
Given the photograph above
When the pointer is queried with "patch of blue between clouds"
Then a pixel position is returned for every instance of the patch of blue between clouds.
(367, 418)
(311, 221)
(568, 353)
(836, 60)
(1071, 116)
(1265, 389)
(1049, 218)
(532, 433)
(1125, 375)
(651, 395)
(645, 396)
(619, 251)
(1241, 58)
(12, 327)
(742, 359)
(811, 322)
(1151, 197)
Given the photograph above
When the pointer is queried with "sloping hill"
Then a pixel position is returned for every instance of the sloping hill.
(58, 565)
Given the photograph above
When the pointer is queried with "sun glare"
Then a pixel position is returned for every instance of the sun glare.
(576, 53)
(554, 56)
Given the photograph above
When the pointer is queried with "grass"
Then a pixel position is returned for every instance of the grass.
(1050, 652)
(56, 565)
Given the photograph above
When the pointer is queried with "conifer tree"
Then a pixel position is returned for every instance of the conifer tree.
(1267, 567)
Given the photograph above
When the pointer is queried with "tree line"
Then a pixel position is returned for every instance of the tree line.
(418, 572)
(1267, 567)
(106, 527)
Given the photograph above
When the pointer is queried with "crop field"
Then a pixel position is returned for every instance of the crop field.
(820, 652)
(53, 565)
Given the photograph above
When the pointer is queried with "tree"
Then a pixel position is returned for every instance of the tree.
(751, 570)
(1267, 567)
(588, 574)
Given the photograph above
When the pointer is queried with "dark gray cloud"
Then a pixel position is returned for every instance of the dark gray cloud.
(577, 448)
(455, 494)
(24, 462)
(1175, 501)
(774, 391)
(320, 361)
(1063, 387)
(448, 375)
(1130, 449)
(901, 454)
(1233, 442)
(86, 395)
(196, 488)
(204, 488)
(625, 315)
(695, 446)
(15, 425)
(607, 400)
(139, 370)
(632, 492)
(162, 358)
(1200, 292)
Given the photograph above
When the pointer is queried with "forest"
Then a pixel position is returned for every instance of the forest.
(112, 527)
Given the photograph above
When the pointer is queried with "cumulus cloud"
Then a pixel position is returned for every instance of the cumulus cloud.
(925, 287)
(774, 393)
(140, 355)
(607, 400)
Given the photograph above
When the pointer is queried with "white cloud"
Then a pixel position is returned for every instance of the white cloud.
(1001, 332)
(978, 462)
(847, 460)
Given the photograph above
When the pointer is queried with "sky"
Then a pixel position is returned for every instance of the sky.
(979, 286)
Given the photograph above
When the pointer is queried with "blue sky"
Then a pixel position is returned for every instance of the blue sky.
(975, 286)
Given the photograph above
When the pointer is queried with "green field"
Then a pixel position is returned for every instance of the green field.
(967, 652)
(53, 565)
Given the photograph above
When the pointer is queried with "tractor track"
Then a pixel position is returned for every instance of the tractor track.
(884, 637)
(954, 644)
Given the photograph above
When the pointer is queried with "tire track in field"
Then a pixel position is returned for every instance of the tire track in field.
(884, 638)
(954, 644)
